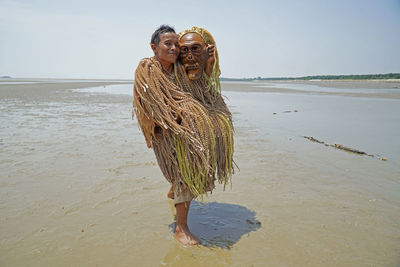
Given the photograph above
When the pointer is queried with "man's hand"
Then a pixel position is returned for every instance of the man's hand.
(210, 59)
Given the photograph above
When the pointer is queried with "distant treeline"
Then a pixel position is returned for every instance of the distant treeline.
(323, 77)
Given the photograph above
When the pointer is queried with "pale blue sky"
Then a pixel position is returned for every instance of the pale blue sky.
(106, 39)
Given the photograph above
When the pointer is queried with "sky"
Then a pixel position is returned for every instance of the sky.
(106, 39)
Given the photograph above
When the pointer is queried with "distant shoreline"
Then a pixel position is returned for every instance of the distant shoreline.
(49, 80)
(386, 76)
(356, 77)
(33, 88)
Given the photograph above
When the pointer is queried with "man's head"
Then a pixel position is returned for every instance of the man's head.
(164, 43)
(193, 54)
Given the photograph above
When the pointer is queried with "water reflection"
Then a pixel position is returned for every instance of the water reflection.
(179, 255)
(220, 224)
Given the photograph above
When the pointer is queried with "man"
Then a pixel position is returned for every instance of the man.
(179, 128)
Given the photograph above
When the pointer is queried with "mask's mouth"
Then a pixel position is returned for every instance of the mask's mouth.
(194, 66)
(193, 71)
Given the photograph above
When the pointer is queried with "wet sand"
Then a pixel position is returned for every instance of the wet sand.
(78, 186)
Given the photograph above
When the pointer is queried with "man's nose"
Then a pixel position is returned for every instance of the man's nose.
(190, 56)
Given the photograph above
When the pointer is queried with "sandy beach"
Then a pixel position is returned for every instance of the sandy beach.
(79, 187)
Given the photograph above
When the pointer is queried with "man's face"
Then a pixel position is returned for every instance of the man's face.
(168, 49)
(193, 54)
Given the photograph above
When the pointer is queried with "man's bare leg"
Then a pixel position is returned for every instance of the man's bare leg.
(182, 232)
(170, 193)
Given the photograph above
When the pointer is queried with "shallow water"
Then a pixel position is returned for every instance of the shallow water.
(319, 88)
(79, 187)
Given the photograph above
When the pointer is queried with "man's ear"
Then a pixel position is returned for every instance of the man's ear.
(153, 47)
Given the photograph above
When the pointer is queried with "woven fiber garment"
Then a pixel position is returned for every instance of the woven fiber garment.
(189, 128)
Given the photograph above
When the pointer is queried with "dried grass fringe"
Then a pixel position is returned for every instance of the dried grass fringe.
(189, 128)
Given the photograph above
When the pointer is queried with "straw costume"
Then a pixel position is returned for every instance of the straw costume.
(186, 122)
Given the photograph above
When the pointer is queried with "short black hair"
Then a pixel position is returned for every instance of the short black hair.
(155, 38)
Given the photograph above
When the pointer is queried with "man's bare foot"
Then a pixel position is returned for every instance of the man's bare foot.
(170, 193)
(185, 237)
